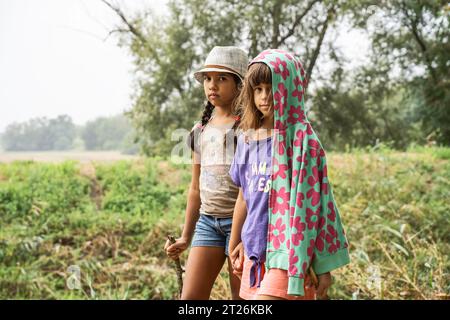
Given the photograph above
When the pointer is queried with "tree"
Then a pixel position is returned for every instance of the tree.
(167, 52)
(40, 134)
(411, 50)
(107, 133)
(404, 86)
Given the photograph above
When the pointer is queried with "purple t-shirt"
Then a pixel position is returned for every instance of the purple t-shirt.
(251, 170)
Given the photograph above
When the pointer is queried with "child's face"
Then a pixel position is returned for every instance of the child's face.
(220, 88)
(262, 94)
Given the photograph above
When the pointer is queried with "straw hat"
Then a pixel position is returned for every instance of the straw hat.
(224, 59)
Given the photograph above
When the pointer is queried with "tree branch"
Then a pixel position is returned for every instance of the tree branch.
(276, 13)
(130, 27)
(296, 23)
(412, 26)
(316, 52)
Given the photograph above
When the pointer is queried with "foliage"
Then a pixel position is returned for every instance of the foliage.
(111, 222)
(40, 134)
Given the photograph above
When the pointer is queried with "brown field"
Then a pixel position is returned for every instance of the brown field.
(57, 156)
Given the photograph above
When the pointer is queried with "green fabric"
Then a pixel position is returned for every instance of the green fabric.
(304, 222)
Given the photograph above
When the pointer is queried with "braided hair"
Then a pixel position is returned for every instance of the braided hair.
(193, 140)
(194, 137)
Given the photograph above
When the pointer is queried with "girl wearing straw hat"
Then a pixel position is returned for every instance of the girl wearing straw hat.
(212, 195)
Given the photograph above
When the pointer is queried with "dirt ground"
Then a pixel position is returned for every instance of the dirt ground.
(55, 156)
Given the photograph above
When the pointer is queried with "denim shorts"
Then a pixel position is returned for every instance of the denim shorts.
(212, 232)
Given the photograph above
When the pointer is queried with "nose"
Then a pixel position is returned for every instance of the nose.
(212, 84)
(265, 95)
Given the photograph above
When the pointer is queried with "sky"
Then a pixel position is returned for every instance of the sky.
(56, 58)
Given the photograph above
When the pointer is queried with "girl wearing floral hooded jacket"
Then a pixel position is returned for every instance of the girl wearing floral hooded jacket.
(300, 225)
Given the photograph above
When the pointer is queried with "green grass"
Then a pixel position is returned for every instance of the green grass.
(111, 222)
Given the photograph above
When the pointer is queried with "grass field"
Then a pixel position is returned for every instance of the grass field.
(59, 156)
(95, 229)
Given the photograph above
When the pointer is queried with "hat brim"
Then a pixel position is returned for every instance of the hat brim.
(198, 74)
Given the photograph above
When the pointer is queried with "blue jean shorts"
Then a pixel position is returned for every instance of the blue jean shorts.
(212, 232)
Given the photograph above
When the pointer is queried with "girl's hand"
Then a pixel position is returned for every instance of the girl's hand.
(324, 284)
(174, 250)
(237, 259)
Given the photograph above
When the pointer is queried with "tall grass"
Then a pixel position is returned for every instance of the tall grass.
(109, 223)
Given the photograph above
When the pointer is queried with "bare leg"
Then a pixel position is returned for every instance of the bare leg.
(202, 269)
(235, 283)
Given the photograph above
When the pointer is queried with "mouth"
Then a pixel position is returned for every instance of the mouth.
(213, 96)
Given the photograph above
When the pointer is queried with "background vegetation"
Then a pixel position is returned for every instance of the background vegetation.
(111, 222)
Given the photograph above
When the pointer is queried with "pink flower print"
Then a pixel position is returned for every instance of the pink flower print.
(296, 114)
(309, 129)
(276, 233)
(302, 275)
(320, 245)
(300, 198)
(312, 193)
(282, 168)
(332, 240)
(309, 218)
(279, 142)
(299, 136)
(298, 66)
(262, 55)
(310, 250)
(321, 156)
(320, 153)
(293, 259)
(298, 93)
(280, 67)
(277, 206)
(280, 125)
(321, 223)
(315, 146)
(294, 174)
(302, 71)
(303, 172)
(332, 215)
(281, 147)
(289, 56)
(280, 98)
(322, 176)
(292, 212)
(324, 188)
(299, 226)
(289, 153)
(331, 233)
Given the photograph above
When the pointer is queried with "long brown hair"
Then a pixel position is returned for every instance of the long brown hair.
(251, 117)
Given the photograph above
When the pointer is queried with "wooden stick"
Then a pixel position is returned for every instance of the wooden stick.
(178, 269)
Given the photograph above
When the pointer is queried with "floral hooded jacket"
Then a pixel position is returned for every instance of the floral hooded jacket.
(304, 223)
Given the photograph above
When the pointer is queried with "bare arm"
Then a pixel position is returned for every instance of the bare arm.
(193, 201)
(191, 215)
(235, 248)
(239, 216)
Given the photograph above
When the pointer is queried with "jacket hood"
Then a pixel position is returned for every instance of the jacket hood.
(288, 86)
(304, 228)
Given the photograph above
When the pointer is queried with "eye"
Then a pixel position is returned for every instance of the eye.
(222, 78)
(206, 78)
